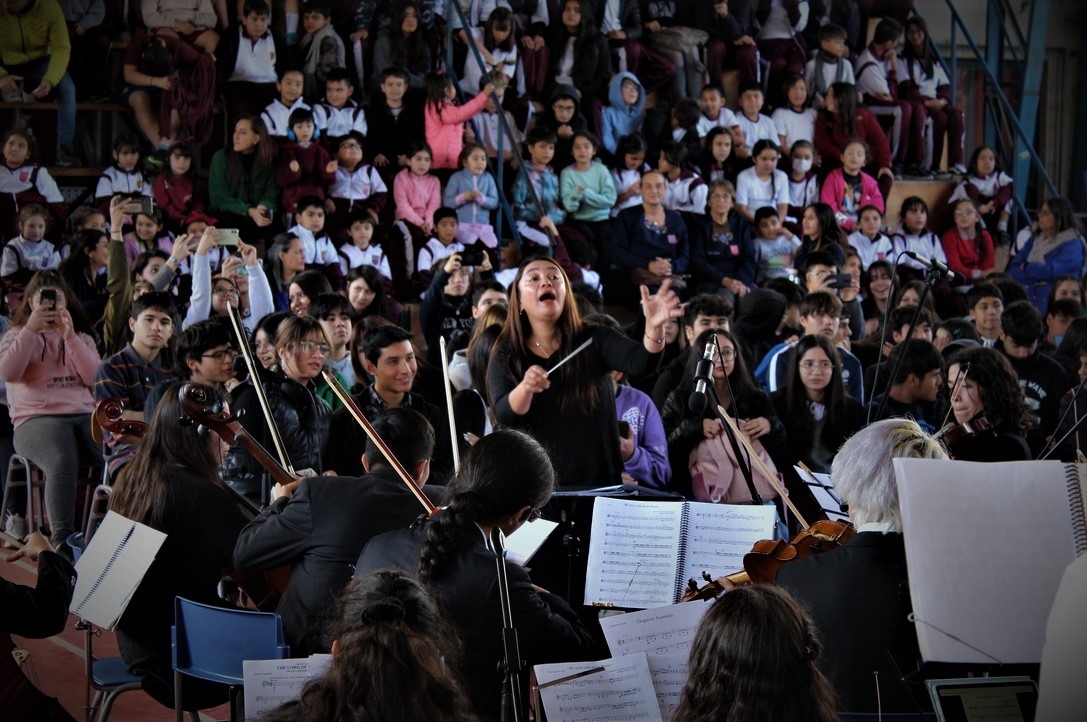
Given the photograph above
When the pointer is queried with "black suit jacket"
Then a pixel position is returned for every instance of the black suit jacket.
(859, 598)
(548, 629)
(320, 530)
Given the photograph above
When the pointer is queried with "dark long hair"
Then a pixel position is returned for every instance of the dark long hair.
(834, 399)
(581, 396)
(142, 491)
(504, 472)
(829, 231)
(395, 659)
(755, 657)
(586, 50)
(263, 156)
(845, 94)
(998, 385)
(53, 279)
(926, 58)
(379, 306)
(741, 385)
(408, 51)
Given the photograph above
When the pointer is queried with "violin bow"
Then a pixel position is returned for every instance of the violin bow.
(266, 409)
(371, 432)
(449, 404)
(757, 460)
(954, 390)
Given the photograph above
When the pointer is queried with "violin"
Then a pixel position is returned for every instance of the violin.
(109, 416)
(201, 406)
(767, 557)
(954, 433)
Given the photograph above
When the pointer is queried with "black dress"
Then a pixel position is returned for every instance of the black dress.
(548, 629)
(201, 522)
(584, 447)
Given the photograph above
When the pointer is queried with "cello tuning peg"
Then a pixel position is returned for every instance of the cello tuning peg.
(202, 430)
(216, 408)
(185, 421)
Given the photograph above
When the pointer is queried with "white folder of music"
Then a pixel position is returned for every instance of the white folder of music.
(986, 547)
(112, 567)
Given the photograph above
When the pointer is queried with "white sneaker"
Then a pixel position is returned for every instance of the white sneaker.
(15, 525)
(959, 169)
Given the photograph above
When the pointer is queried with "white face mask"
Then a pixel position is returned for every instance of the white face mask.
(802, 165)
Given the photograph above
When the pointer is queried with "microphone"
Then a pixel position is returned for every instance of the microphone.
(934, 265)
(703, 375)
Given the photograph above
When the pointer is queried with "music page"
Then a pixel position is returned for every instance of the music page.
(622, 691)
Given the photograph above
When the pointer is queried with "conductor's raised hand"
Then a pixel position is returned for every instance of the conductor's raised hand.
(535, 380)
(661, 306)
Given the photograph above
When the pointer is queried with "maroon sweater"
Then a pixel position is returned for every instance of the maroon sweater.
(831, 140)
(311, 178)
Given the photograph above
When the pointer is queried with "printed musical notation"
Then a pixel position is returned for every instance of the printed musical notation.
(662, 631)
(271, 682)
(623, 690)
(642, 552)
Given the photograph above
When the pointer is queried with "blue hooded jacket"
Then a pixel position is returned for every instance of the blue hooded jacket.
(619, 119)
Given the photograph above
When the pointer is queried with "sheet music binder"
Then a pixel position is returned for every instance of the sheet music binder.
(112, 567)
(987, 545)
(641, 553)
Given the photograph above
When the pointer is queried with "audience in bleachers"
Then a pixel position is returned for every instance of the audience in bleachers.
(630, 163)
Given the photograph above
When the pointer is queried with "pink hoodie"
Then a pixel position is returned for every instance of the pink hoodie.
(416, 197)
(445, 129)
(833, 194)
(47, 376)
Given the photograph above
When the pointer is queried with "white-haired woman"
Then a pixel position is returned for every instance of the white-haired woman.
(859, 594)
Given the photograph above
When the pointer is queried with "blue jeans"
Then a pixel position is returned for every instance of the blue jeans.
(32, 74)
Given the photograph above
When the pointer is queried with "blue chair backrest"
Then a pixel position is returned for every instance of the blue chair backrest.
(212, 642)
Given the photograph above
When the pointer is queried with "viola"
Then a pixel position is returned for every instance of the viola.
(109, 416)
(767, 557)
(202, 407)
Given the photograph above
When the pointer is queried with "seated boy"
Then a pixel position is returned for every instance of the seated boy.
(249, 60)
(321, 49)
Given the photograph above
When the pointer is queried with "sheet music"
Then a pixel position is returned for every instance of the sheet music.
(822, 488)
(112, 567)
(271, 682)
(633, 553)
(622, 692)
(669, 673)
(522, 544)
(721, 534)
(660, 631)
(986, 546)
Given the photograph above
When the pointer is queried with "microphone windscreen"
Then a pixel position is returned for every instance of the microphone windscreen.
(696, 402)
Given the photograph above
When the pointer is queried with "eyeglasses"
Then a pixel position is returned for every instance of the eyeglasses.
(813, 365)
(728, 353)
(309, 347)
(225, 291)
(221, 355)
(534, 514)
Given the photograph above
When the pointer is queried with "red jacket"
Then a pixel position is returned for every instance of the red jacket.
(829, 143)
(966, 255)
(176, 197)
(312, 177)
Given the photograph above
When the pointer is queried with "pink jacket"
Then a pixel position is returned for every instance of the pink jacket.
(445, 130)
(47, 376)
(416, 197)
(834, 192)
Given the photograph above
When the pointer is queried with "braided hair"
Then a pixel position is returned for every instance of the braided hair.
(505, 472)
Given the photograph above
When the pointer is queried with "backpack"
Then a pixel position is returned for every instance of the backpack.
(716, 476)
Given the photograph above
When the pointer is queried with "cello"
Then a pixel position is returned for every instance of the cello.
(206, 410)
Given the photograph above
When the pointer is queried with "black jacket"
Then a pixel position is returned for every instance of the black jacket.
(41, 611)
(303, 421)
(859, 599)
(713, 259)
(320, 531)
(548, 629)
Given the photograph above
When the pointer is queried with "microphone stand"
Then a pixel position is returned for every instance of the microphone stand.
(931, 276)
(511, 666)
(745, 467)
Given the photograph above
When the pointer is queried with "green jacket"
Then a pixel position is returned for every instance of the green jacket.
(252, 190)
(37, 31)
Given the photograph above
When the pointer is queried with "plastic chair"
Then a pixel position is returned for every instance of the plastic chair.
(108, 678)
(211, 643)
